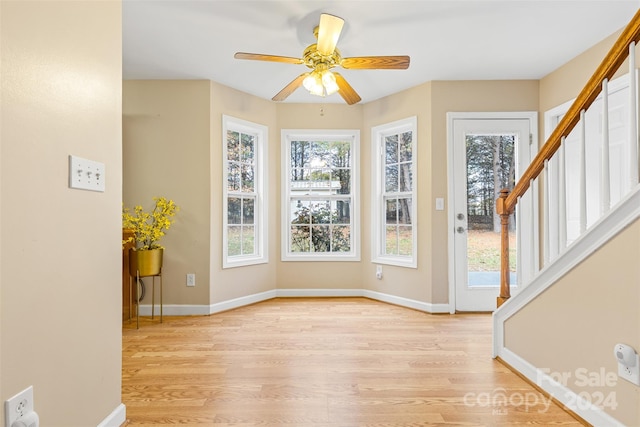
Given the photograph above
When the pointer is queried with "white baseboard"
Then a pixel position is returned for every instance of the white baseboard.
(378, 296)
(203, 310)
(406, 302)
(115, 418)
(242, 301)
(175, 310)
(314, 293)
(570, 399)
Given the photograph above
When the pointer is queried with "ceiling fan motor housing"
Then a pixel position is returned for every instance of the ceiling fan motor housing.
(312, 58)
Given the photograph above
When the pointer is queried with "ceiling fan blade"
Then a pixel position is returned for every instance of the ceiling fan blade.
(400, 62)
(328, 33)
(271, 58)
(290, 88)
(346, 91)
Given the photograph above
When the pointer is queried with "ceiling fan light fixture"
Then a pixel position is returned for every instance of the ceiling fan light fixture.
(309, 82)
(329, 82)
(313, 83)
(321, 83)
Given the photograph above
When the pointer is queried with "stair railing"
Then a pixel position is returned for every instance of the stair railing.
(623, 48)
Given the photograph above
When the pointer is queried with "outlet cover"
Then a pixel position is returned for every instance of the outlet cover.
(379, 272)
(631, 374)
(18, 406)
(191, 279)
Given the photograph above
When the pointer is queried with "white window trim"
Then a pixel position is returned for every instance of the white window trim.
(261, 244)
(353, 135)
(377, 206)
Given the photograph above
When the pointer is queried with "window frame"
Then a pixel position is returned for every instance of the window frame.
(379, 194)
(260, 216)
(347, 135)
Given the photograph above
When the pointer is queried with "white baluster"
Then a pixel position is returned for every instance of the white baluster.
(605, 177)
(583, 174)
(633, 122)
(535, 232)
(562, 198)
(547, 224)
(527, 232)
(554, 205)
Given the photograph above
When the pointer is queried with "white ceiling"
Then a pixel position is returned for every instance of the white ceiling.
(446, 39)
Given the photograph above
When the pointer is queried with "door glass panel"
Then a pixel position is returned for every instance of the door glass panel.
(490, 168)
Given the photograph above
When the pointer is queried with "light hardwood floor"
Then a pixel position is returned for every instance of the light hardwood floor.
(335, 362)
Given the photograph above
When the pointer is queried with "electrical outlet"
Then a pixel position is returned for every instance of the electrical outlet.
(628, 363)
(629, 373)
(86, 174)
(379, 272)
(191, 279)
(20, 408)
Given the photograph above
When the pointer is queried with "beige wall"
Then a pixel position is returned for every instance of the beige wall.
(166, 153)
(60, 252)
(566, 82)
(172, 146)
(411, 283)
(576, 323)
(563, 333)
(230, 283)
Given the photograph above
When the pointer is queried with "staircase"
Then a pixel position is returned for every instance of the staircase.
(584, 294)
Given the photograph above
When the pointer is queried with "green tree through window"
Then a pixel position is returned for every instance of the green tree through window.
(394, 186)
(320, 196)
(244, 195)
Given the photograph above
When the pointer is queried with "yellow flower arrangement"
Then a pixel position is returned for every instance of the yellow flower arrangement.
(147, 227)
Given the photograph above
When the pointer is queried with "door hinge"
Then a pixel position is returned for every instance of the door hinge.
(530, 139)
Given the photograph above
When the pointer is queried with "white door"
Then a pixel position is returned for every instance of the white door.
(487, 152)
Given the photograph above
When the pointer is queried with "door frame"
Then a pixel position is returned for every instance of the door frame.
(532, 116)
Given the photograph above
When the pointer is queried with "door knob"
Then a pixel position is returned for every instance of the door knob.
(460, 216)
(460, 230)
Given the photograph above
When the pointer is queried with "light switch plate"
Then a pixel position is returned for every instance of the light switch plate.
(439, 204)
(86, 174)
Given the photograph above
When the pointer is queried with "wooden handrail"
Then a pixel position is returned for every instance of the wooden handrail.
(505, 204)
(607, 69)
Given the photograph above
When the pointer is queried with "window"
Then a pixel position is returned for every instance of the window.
(320, 195)
(244, 198)
(394, 203)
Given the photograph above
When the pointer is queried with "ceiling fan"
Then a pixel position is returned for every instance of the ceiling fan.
(321, 57)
